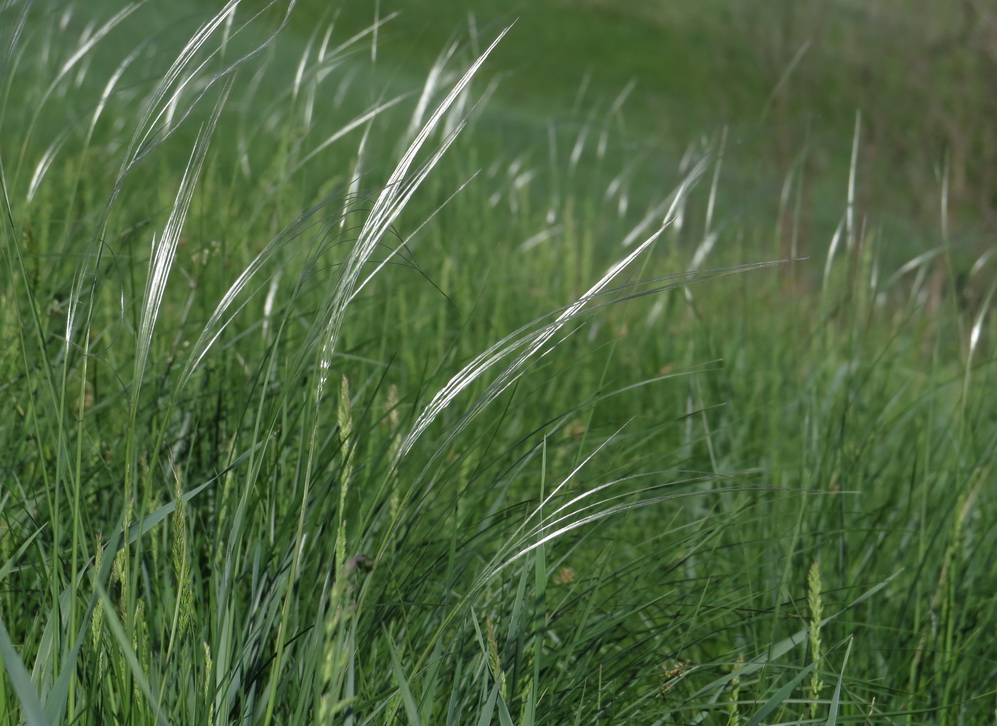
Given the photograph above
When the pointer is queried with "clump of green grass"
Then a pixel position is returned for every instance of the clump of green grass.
(323, 410)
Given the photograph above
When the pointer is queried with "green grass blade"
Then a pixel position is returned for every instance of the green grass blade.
(835, 707)
(778, 698)
(485, 717)
(404, 689)
(31, 706)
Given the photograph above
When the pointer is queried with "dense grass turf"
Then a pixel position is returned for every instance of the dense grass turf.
(325, 404)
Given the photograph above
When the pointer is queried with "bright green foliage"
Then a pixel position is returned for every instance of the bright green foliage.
(326, 405)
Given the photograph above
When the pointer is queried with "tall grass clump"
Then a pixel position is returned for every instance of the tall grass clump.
(321, 409)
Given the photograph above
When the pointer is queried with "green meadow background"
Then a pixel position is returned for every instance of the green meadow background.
(566, 361)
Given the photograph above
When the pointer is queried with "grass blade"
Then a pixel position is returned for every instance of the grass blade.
(32, 711)
(404, 689)
(832, 716)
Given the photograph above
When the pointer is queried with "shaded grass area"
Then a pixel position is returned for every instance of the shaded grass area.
(307, 432)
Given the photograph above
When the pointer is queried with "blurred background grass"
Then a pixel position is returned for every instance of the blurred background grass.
(787, 77)
(784, 81)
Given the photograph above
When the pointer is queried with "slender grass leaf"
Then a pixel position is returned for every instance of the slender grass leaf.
(832, 716)
(408, 700)
(31, 705)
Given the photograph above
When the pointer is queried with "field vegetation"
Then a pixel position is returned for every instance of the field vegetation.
(422, 369)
